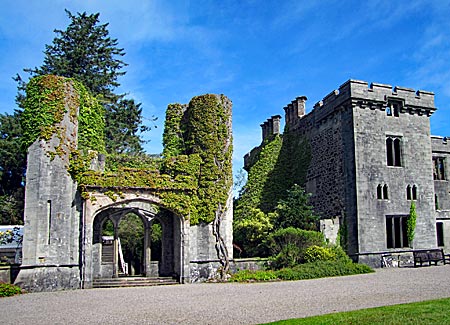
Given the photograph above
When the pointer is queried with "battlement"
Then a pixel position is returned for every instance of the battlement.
(355, 93)
(271, 126)
(296, 109)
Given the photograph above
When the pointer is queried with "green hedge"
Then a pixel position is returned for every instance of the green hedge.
(306, 271)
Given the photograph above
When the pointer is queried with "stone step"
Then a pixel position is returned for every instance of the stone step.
(132, 282)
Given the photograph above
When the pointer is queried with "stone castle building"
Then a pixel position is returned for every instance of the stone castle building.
(63, 244)
(372, 154)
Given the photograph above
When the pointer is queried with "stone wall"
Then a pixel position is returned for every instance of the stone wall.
(52, 212)
(348, 132)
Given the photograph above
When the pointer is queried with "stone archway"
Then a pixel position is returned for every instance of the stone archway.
(174, 259)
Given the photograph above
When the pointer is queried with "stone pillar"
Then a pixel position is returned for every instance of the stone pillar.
(116, 251)
(263, 131)
(147, 249)
(276, 124)
(300, 106)
(52, 210)
(269, 127)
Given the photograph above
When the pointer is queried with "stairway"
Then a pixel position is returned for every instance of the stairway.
(132, 282)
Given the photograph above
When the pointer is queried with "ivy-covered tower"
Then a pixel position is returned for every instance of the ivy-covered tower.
(73, 190)
(51, 255)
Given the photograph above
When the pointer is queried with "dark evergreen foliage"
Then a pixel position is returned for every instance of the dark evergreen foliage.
(12, 170)
(86, 52)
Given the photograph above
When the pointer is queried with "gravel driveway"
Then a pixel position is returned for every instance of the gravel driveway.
(228, 303)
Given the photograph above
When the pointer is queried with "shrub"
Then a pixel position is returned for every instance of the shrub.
(251, 232)
(317, 253)
(289, 245)
(7, 290)
(306, 271)
(250, 276)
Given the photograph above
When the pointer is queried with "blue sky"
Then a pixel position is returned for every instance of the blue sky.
(261, 54)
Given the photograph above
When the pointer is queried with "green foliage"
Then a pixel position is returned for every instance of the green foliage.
(8, 290)
(258, 176)
(115, 162)
(44, 108)
(131, 234)
(91, 121)
(295, 211)
(411, 223)
(48, 99)
(289, 245)
(425, 312)
(271, 185)
(208, 134)
(10, 236)
(319, 269)
(251, 233)
(252, 276)
(12, 170)
(318, 253)
(123, 126)
(86, 53)
(173, 136)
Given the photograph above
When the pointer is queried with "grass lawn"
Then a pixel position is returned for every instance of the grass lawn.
(427, 312)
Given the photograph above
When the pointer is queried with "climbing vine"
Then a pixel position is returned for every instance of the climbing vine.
(173, 139)
(272, 174)
(48, 99)
(411, 223)
(192, 179)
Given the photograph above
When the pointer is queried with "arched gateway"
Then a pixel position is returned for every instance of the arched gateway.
(70, 196)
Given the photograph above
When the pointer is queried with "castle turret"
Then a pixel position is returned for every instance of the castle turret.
(271, 127)
(295, 110)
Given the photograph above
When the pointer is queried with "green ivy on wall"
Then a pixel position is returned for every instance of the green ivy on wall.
(194, 177)
(48, 99)
(279, 163)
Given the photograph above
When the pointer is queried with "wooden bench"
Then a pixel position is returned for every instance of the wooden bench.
(430, 256)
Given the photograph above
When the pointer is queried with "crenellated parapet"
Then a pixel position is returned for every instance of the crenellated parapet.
(356, 93)
(351, 94)
(271, 127)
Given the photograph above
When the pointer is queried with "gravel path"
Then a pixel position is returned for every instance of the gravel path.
(228, 303)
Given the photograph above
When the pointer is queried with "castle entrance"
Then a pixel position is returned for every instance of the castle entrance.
(136, 241)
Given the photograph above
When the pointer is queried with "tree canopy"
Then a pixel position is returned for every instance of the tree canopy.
(87, 53)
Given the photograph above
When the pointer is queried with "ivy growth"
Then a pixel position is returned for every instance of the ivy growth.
(267, 165)
(411, 223)
(48, 99)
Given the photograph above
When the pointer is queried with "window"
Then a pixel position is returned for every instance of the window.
(440, 233)
(385, 192)
(382, 192)
(436, 202)
(438, 172)
(393, 151)
(411, 192)
(393, 109)
(396, 235)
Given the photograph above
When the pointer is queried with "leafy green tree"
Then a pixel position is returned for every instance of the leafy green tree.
(295, 210)
(131, 234)
(12, 170)
(250, 233)
(123, 123)
(86, 52)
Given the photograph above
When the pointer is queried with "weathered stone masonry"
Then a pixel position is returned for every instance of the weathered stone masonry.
(63, 244)
(370, 145)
